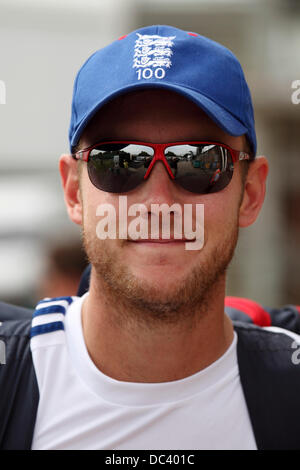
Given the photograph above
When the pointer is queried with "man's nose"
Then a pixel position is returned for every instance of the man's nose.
(158, 187)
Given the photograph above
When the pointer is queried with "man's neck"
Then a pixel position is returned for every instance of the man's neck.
(128, 350)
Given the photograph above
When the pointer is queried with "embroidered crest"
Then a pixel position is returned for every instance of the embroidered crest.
(152, 55)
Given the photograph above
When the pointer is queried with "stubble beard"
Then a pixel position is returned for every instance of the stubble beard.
(136, 300)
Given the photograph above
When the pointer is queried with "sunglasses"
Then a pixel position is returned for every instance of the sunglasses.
(198, 167)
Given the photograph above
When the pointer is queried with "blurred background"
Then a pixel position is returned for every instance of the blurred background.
(42, 46)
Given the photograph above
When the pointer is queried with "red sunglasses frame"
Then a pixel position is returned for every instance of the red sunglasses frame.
(236, 155)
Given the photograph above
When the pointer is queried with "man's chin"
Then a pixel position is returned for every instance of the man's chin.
(159, 291)
(159, 297)
(159, 277)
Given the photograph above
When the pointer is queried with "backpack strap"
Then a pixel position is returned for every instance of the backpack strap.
(287, 317)
(271, 383)
(18, 387)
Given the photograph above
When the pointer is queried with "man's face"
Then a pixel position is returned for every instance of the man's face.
(160, 277)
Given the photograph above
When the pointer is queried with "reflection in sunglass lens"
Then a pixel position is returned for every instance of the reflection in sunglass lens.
(118, 168)
(203, 168)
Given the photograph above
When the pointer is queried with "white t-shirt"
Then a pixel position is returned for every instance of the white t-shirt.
(81, 408)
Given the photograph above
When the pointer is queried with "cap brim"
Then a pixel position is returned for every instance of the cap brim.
(225, 120)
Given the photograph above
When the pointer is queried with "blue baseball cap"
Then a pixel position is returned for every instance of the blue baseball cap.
(166, 57)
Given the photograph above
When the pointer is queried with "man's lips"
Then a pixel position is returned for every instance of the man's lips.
(160, 240)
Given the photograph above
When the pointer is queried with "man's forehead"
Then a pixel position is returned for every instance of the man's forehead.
(156, 99)
(147, 104)
(148, 96)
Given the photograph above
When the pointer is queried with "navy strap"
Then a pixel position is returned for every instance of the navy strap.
(84, 284)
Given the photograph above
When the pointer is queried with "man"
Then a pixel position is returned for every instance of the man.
(147, 358)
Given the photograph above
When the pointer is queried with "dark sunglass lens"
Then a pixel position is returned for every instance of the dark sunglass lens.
(202, 169)
(118, 168)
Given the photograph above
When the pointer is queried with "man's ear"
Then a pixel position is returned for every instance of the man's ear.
(254, 191)
(70, 182)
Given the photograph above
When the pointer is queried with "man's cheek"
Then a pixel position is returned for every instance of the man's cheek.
(218, 220)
